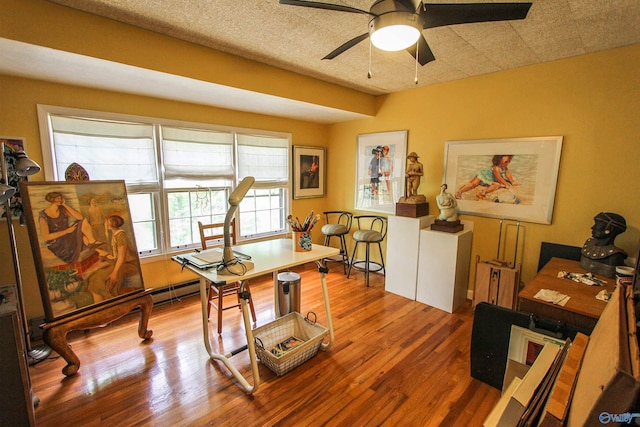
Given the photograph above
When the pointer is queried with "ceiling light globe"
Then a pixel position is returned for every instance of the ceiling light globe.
(395, 30)
(395, 37)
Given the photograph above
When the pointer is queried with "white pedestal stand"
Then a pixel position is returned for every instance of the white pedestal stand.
(403, 242)
(443, 267)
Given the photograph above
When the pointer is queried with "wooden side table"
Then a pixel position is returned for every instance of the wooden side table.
(581, 311)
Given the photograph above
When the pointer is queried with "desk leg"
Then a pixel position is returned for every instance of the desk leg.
(325, 294)
(244, 384)
(251, 344)
(204, 301)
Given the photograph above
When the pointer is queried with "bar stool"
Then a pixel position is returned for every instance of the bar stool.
(371, 229)
(338, 225)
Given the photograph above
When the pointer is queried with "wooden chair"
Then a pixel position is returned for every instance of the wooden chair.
(211, 234)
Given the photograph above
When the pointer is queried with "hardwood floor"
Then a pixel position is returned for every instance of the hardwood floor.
(394, 362)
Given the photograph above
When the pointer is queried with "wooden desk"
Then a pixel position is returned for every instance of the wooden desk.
(582, 310)
(268, 256)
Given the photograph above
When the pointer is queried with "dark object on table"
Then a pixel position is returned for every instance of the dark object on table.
(549, 250)
(599, 254)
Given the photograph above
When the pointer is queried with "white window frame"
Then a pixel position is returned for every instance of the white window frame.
(158, 191)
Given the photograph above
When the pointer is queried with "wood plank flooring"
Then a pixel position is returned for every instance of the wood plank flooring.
(395, 362)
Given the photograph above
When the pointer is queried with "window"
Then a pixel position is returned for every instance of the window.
(176, 173)
(266, 159)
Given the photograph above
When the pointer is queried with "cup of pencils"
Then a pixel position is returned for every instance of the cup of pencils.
(301, 231)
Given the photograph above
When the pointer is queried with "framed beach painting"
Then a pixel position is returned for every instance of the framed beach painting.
(83, 244)
(504, 178)
(309, 172)
(380, 168)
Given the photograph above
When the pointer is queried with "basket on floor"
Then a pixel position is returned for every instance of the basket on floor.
(288, 342)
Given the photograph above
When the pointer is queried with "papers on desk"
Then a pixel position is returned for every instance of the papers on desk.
(209, 258)
(586, 278)
(554, 297)
(203, 260)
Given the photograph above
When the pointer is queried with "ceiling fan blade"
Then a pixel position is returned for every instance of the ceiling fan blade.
(438, 15)
(348, 45)
(424, 51)
(326, 6)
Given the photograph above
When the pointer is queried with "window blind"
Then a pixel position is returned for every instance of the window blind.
(265, 158)
(107, 150)
(197, 154)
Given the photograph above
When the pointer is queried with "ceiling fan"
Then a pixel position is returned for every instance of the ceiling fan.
(398, 24)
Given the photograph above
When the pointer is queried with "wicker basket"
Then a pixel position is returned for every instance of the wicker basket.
(269, 336)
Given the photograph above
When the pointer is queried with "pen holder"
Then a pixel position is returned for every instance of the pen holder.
(301, 241)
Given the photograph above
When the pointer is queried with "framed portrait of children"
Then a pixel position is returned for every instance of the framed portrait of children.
(83, 244)
(380, 169)
(504, 178)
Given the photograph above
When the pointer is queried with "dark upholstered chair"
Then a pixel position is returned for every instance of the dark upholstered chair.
(210, 233)
(338, 225)
(555, 250)
(371, 230)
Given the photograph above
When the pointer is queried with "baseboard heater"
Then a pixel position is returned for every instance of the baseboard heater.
(172, 292)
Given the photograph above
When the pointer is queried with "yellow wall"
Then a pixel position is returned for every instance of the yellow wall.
(592, 101)
(19, 119)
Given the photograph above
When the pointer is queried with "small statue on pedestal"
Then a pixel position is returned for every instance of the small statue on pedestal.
(412, 204)
(447, 205)
(448, 220)
(413, 176)
(599, 254)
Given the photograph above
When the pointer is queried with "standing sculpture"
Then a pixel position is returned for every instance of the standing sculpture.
(599, 254)
(412, 205)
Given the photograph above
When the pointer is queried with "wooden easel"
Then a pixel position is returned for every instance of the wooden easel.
(55, 333)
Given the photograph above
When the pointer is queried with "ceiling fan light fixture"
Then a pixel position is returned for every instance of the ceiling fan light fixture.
(395, 30)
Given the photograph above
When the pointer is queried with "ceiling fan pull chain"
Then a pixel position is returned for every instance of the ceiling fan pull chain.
(417, 53)
(369, 72)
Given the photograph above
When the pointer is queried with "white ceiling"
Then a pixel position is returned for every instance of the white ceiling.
(296, 38)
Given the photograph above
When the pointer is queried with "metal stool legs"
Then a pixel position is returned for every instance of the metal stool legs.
(343, 248)
(366, 261)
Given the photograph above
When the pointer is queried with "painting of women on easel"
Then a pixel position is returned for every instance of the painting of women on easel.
(83, 243)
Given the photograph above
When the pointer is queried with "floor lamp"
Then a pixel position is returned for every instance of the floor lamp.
(23, 167)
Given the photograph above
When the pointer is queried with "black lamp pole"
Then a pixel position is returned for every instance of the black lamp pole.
(41, 353)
